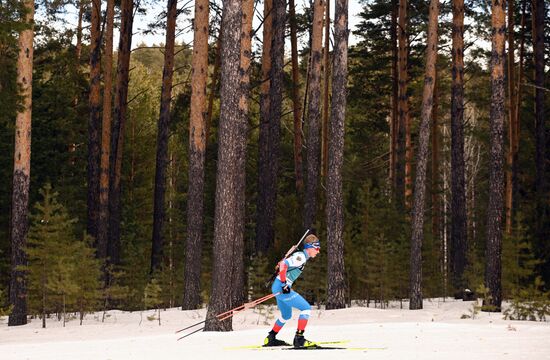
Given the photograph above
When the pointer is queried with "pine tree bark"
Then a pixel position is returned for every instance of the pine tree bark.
(197, 152)
(264, 233)
(493, 267)
(422, 161)
(227, 187)
(326, 93)
(403, 103)
(103, 223)
(435, 189)
(542, 222)
(459, 235)
(511, 119)
(395, 98)
(78, 46)
(314, 116)
(159, 212)
(94, 124)
(119, 122)
(238, 275)
(336, 288)
(213, 87)
(296, 103)
(21, 172)
(267, 183)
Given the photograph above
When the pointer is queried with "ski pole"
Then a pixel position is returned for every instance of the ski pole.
(227, 314)
(288, 253)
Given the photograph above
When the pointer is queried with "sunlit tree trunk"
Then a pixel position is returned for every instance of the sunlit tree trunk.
(246, 51)
(197, 151)
(314, 116)
(336, 293)
(493, 267)
(21, 172)
(422, 161)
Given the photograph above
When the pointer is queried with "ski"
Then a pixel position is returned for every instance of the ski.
(320, 345)
(281, 346)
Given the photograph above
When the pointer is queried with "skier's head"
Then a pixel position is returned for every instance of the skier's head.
(312, 245)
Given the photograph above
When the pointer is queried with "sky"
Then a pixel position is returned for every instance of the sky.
(141, 22)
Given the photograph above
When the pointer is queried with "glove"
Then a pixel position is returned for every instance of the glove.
(286, 289)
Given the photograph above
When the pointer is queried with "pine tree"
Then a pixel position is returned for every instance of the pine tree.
(21, 169)
(62, 270)
(152, 297)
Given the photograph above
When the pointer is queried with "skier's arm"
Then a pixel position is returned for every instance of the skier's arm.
(283, 267)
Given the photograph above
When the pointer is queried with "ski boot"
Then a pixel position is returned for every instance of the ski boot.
(270, 340)
(301, 342)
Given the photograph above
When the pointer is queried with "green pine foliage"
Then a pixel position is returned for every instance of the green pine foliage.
(5, 309)
(258, 272)
(530, 303)
(152, 298)
(114, 294)
(63, 273)
(518, 260)
(379, 258)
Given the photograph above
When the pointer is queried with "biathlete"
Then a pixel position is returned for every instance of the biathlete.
(289, 270)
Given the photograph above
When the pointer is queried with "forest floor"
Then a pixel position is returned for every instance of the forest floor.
(436, 332)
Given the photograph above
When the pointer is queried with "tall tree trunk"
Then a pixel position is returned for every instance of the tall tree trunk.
(422, 162)
(314, 116)
(103, 223)
(436, 189)
(264, 233)
(227, 187)
(119, 121)
(297, 105)
(78, 47)
(459, 234)
(94, 124)
(326, 93)
(267, 182)
(162, 138)
(493, 267)
(403, 104)
(511, 119)
(335, 207)
(518, 93)
(542, 223)
(213, 87)
(238, 277)
(21, 172)
(395, 97)
(197, 151)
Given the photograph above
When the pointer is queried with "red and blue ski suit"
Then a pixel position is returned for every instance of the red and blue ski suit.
(289, 270)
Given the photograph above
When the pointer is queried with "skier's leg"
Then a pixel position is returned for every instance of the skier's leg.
(286, 314)
(305, 310)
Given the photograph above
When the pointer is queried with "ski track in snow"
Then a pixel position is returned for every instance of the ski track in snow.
(436, 332)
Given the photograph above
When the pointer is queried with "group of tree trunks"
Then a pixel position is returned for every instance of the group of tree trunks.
(105, 152)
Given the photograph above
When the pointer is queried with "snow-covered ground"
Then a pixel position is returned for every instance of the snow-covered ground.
(436, 332)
